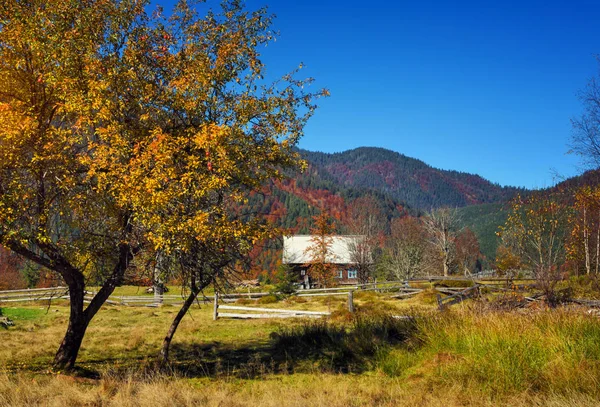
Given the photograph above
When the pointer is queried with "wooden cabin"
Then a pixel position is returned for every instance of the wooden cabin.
(296, 254)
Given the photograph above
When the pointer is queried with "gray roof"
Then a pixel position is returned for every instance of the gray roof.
(340, 251)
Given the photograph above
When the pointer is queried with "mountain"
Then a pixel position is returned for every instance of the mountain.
(407, 180)
(399, 184)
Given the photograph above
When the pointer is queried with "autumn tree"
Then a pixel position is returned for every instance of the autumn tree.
(261, 126)
(124, 134)
(508, 263)
(535, 231)
(54, 209)
(322, 267)
(442, 226)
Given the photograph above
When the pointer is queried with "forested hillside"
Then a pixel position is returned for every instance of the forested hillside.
(405, 179)
(400, 186)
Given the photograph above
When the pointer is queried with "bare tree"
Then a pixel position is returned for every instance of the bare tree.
(366, 220)
(406, 248)
(585, 139)
(467, 250)
(441, 225)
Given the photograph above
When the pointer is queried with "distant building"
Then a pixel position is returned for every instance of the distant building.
(296, 255)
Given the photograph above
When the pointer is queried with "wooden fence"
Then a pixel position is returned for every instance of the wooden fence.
(34, 294)
(458, 297)
(398, 289)
(257, 312)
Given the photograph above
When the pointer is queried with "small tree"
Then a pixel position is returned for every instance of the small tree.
(286, 280)
(535, 231)
(507, 262)
(321, 266)
(583, 246)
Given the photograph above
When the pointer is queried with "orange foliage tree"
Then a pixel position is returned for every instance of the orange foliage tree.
(535, 233)
(124, 134)
(322, 267)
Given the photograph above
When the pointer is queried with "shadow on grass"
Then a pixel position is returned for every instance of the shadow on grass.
(315, 345)
(312, 346)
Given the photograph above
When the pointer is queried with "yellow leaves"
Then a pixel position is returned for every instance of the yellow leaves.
(141, 131)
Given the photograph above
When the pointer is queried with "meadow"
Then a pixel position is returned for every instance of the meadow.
(471, 354)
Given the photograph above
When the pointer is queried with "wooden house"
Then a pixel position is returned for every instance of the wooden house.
(341, 253)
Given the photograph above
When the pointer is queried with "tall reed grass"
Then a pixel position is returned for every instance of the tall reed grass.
(502, 353)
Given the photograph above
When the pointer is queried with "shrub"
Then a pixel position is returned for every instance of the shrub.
(454, 283)
(268, 299)
(286, 280)
(297, 300)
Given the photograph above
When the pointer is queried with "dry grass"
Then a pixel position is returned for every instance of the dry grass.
(463, 357)
(302, 390)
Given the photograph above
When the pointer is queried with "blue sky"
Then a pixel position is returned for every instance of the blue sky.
(486, 87)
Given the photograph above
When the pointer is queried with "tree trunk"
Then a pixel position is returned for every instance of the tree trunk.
(586, 242)
(69, 348)
(158, 284)
(78, 322)
(79, 318)
(164, 352)
(446, 262)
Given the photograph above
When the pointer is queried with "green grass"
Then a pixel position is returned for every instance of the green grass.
(23, 314)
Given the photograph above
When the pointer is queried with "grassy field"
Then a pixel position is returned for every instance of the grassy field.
(467, 356)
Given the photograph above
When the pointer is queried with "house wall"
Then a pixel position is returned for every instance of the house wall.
(343, 274)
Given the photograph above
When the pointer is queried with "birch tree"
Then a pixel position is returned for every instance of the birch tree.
(442, 226)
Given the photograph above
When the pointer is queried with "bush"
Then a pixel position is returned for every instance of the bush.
(454, 283)
(297, 300)
(269, 299)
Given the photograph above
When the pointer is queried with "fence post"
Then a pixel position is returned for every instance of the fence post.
(351, 301)
(216, 310)
(439, 301)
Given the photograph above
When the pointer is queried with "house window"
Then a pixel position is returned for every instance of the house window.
(352, 274)
(340, 274)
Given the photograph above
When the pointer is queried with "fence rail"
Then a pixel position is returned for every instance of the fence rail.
(259, 313)
(34, 294)
(458, 297)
